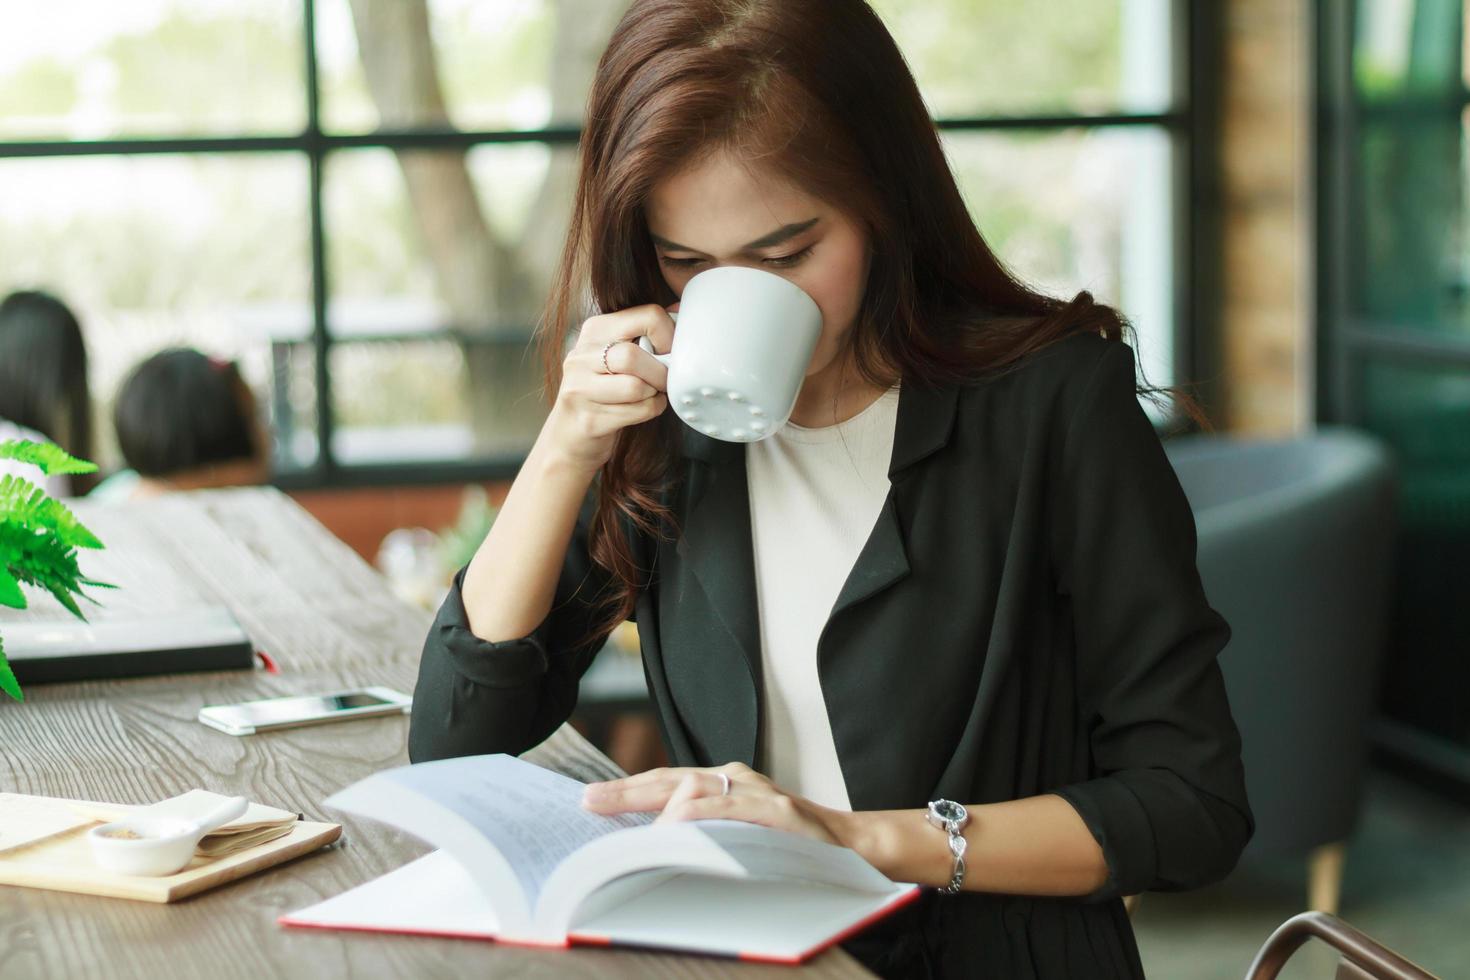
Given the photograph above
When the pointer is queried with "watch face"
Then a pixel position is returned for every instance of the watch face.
(947, 810)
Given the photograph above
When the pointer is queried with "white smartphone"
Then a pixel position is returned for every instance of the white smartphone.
(249, 717)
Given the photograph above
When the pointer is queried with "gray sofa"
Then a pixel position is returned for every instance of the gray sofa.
(1295, 547)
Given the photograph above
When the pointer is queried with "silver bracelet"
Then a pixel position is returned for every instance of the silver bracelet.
(952, 818)
(957, 844)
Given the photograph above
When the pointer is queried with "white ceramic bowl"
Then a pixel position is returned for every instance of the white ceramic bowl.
(157, 846)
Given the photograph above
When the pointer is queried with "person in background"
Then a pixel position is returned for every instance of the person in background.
(185, 421)
(43, 383)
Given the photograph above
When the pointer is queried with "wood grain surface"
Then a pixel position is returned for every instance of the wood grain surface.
(330, 622)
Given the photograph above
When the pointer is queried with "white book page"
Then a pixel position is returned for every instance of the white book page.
(742, 853)
(767, 853)
(594, 866)
(385, 800)
(783, 920)
(431, 895)
(495, 814)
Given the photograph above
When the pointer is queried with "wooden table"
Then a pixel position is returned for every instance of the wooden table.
(331, 622)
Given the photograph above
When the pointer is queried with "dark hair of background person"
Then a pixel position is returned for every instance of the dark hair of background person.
(180, 410)
(43, 370)
(819, 92)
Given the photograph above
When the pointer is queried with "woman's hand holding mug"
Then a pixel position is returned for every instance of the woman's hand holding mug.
(741, 352)
(596, 399)
(734, 373)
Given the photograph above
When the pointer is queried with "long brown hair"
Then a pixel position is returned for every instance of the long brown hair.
(817, 92)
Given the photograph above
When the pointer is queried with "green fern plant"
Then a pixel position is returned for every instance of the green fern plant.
(39, 539)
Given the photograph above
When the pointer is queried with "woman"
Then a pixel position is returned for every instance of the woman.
(1017, 626)
(185, 421)
(43, 382)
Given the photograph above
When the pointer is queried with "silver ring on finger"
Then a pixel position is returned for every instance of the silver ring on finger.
(605, 349)
(726, 780)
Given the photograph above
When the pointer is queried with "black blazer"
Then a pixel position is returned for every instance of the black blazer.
(1026, 617)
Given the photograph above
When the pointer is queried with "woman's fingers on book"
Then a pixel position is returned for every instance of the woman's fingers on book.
(653, 789)
(691, 793)
(692, 786)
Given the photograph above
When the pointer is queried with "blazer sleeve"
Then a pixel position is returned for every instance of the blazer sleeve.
(1166, 800)
(475, 697)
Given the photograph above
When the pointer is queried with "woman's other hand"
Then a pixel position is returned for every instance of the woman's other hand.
(698, 794)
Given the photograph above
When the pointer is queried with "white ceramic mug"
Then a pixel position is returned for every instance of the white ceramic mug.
(743, 340)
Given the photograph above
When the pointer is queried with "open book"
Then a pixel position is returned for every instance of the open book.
(521, 861)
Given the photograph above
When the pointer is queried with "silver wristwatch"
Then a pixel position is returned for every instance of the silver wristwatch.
(951, 817)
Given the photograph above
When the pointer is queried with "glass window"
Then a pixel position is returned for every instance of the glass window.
(462, 64)
(1415, 274)
(1408, 274)
(1081, 209)
(82, 70)
(1407, 47)
(400, 401)
(431, 245)
(1424, 411)
(999, 57)
(201, 250)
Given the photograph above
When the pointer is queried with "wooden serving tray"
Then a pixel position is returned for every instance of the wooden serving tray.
(63, 862)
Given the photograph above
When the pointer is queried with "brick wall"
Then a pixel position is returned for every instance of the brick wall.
(1268, 274)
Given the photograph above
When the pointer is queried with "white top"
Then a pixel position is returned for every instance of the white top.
(55, 486)
(815, 495)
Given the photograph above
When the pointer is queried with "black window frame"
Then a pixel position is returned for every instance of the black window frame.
(1190, 123)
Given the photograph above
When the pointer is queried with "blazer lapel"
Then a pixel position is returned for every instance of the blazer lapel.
(716, 545)
(925, 418)
(925, 421)
(882, 562)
